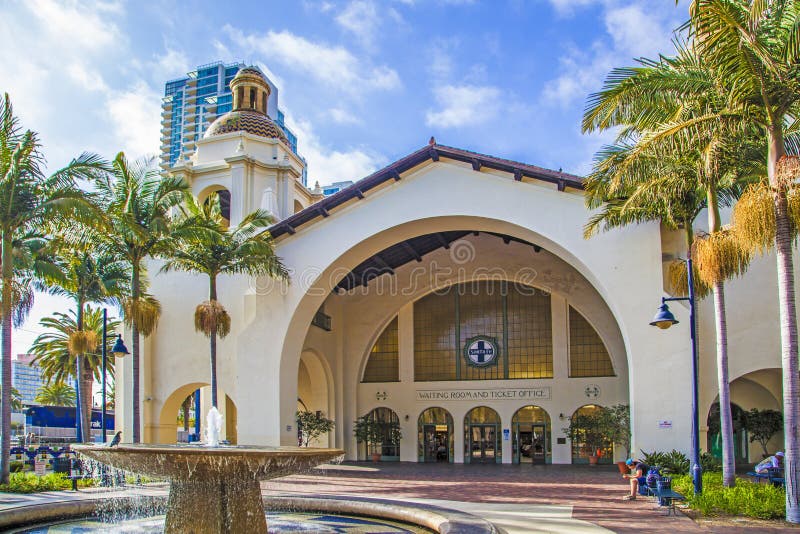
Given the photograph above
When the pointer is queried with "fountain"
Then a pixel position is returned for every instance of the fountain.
(214, 488)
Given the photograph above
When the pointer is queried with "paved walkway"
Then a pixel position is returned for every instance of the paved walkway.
(517, 499)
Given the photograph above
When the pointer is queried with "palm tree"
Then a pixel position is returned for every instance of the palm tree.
(87, 276)
(56, 394)
(56, 355)
(138, 203)
(28, 201)
(644, 102)
(16, 400)
(755, 46)
(246, 249)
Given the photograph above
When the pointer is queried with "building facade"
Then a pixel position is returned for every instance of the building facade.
(452, 294)
(192, 103)
(26, 377)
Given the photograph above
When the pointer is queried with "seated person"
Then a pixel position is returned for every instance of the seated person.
(637, 476)
(772, 462)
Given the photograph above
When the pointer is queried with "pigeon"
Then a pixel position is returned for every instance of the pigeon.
(116, 440)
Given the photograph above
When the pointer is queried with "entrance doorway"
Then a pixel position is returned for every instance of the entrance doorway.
(435, 436)
(481, 432)
(531, 427)
(741, 453)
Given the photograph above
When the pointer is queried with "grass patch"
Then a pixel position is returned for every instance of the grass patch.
(747, 499)
(30, 483)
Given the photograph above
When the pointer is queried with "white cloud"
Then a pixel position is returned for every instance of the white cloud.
(633, 29)
(361, 18)
(169, 65)
(327, 165)
(463, 105)
(136, 116)
(342, 116)
(334, 66)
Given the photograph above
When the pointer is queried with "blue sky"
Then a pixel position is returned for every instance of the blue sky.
(362, 82)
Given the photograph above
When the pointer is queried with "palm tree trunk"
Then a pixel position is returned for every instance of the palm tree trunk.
(213, 343)
(788, 323)
(185, 410)
(5, 380)
(726, 421)
(84, 399)
(87, 382)
(135, 354)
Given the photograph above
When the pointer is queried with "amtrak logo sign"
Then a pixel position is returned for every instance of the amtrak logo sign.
(481, 351)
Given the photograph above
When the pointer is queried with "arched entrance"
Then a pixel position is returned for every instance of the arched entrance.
(581, 450)
(435, 435)
(740, 440)
(314, 385)
(482, 436)
(171, 424)
(531, 431)
(387, 421)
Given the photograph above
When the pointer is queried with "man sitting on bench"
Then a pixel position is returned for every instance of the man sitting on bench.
(771, 462)
(638, 473)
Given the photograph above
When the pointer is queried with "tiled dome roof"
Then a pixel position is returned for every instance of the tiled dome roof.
(246, 121)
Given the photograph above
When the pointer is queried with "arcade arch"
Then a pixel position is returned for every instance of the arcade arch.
(168, 426)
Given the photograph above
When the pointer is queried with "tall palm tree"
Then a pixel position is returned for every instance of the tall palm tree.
(246, 249)
(645, 102)
(755, 46)
(29, 200)
(56, 394)
(56, 356)
(86, 275)
(138, 203)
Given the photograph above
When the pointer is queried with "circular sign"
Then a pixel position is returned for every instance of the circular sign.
(481, 351)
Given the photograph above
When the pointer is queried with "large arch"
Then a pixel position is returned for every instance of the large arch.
(325, 280)
(625, 271)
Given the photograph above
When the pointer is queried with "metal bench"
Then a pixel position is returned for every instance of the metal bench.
(667, 497)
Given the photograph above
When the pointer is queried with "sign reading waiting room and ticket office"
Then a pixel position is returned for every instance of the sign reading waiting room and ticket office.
(483, 394)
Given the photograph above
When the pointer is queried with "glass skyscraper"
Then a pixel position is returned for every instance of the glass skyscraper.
(192, 103)
(26, 377)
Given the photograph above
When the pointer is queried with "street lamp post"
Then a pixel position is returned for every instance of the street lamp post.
(665, 319)
(119, 350)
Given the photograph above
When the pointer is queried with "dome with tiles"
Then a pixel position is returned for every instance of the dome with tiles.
(250, 92)
(246, 120)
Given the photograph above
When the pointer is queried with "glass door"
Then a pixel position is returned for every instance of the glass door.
(429, 436)
(483, 443)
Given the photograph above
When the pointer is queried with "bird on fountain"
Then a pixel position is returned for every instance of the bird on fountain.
(116, 440)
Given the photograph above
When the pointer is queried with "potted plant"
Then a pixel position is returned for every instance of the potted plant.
(617, 429)
(312, 425)
(588, 429)
(373, 433)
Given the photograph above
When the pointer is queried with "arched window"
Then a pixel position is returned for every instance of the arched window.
(239, 98)
(383, 362)
(512, 321)
(252, 98)
(264, 102)
(587, 353)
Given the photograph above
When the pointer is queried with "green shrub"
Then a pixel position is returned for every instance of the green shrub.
(749, 499)
(16, 466)
(671, 463)
(710, 463)
(30, 483)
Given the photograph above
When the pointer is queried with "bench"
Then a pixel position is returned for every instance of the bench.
(667, 497)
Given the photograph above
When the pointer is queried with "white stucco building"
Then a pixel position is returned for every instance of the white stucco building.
(452, 292)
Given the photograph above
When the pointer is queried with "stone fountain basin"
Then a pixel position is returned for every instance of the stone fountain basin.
(197, 462)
